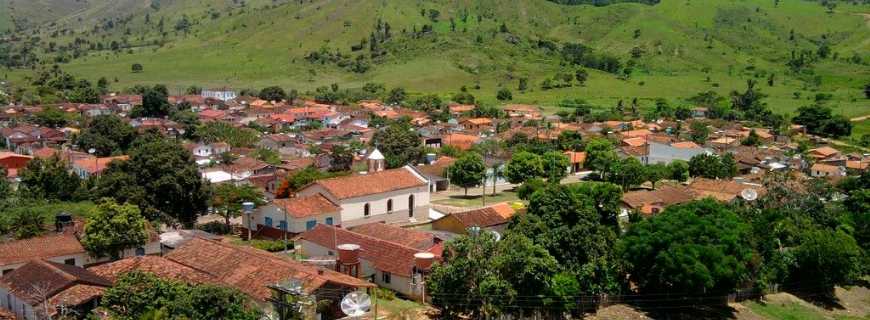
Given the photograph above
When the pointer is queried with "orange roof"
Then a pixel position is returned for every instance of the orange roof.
(389, 114)
(857, 165)
(825, 151)
(306, 206)
(407, 237)
(724, 140)
(576, 157)
(460, 140)
(385, 255)
(636, 133)
(722, 190)
(479, 121)
(525, 108)
(685, 145)
(459, 108)
(251, 270)
(212, 114)
(53, 278)
(634, 142)
(42, 247)
(159, 266)
(95, 165)
(496, 214)
(283, 117)
(371, 183)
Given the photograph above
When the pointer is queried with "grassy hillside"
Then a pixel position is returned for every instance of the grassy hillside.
(685, 46)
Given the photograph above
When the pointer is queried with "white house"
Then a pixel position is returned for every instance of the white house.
(395, 196)
(386, 253)
(220, 94)
(50, 290)
(206, 150)
(294, 215)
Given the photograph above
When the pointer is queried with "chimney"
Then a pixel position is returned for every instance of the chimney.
(61, 221)
(376, 161)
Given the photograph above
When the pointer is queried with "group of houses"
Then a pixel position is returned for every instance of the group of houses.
(374, 227)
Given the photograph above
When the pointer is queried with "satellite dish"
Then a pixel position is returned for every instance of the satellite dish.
(749, 194)
(496, 235)
(356, 304)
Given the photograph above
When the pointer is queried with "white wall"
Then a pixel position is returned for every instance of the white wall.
(21, 309)
(352, 210)
(81, 260)
(294, 225)
(398, 283)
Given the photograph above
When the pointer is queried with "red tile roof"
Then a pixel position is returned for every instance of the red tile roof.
(306, 206)
(49, 277)
(407, 237)
(371, 183)
(494, 215)
(159, 266)
(251, 270)
(383, 255)
(576, 157)
(664, 196)
(95, 165)
(460, 140)
(722, 190)
(43, 247)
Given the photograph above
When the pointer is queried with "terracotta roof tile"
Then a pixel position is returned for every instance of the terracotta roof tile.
(372, 183)
(251, 270)
(96, 165)
(460, 140)
(159, 266)
(43, 247)
(664, 196)
(576, 157)
(407, 237)
(384, 255)
(51, 278)
(722, 190)
(306, 206)
(486, 217)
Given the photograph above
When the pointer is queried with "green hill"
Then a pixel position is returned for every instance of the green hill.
(677, 48)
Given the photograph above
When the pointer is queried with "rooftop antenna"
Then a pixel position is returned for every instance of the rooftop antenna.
(356, 304)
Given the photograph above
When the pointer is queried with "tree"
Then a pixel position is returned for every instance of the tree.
(342, 158)
(267, 155)
(682, 113)
(504, 94)
(820, 120)
(161, 178)
(555, 164)
(27, 224)
(712, 166)
(136, 294)
(467, 171)
(867, 90)
(656, 172)
(570, 140)
(155, 103)
(752, 139)
(112, 228)
(678, 170)
(627, 173)
(49, 179)
(581, 75)
(529, 187)
(51, 117)
(399, 143)
(106, 134)
(396, 96)
(273, 93)
(136, 68)
(523, 166)
(828, 258)
(464, 98)
(600, 156)
(695, 250)
(699, 132)
(227, 199)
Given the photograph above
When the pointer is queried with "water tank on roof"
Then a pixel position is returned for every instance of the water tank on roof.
(423, 260)
(348, 253)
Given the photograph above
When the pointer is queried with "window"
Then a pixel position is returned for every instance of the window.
(310, 224)
(7, 271)
(411, 206)
(282, 225)
(389, 205)
(329, 221)
(366, 210)
(268, 221)
(385, 277)
(140, 251)
(70, 262)
(330, 253)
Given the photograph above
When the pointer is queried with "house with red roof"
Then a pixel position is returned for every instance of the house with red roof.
(49, 290)
(94, 166)
(495, 218)
(398, 195)
(386, 253)
(295, 215)
(13, 162)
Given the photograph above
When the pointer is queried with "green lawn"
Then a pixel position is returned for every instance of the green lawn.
(477, 201)
(860, 128)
